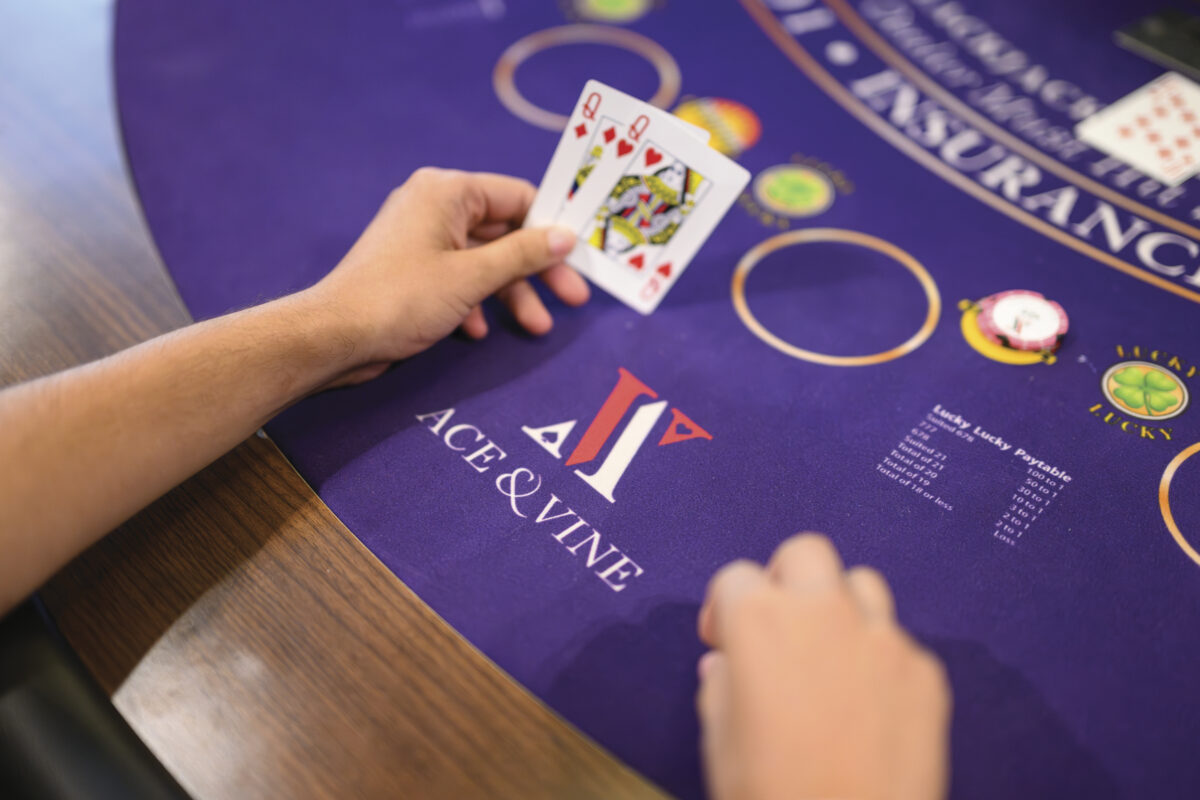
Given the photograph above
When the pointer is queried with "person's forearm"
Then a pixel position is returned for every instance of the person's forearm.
(82, 451)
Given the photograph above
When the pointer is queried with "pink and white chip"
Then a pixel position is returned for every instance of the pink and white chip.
(1022, 320)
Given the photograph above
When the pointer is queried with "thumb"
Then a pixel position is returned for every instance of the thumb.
(515, 255)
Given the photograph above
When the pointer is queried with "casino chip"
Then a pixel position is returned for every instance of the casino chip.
(1022, 320)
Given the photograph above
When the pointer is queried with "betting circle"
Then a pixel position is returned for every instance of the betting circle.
(734, 127)
(612, 10)
(793, 190)
(504, 74)
(1164, 501)
(749, 261)
(1144, 390)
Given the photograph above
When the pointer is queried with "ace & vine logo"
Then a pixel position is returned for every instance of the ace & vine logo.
(629, 442)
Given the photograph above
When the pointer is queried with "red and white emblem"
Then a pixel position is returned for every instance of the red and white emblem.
(628, 391)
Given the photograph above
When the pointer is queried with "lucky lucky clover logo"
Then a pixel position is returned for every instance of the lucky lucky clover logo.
(1143, 390)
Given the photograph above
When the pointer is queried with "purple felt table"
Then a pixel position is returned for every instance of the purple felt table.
(263, 135)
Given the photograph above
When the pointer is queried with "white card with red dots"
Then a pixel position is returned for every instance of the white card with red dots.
(641, 218)
(640, 187)
(1155, 130)
(604, 123)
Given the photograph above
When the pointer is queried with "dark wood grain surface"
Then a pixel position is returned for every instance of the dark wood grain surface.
(254, 644)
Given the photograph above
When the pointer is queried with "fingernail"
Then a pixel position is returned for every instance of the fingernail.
(561, 241)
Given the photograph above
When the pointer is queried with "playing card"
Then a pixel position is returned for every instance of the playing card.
(604, 122)
(641, 219)
(1155, 130)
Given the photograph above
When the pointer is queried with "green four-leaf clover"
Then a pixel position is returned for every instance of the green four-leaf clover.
(792, 190)
(1145, 389)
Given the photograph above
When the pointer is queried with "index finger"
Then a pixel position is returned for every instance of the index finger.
(488, 197)
(807, 562)
(731, 583)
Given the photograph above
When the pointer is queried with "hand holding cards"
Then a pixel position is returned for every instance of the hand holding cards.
(642, 190)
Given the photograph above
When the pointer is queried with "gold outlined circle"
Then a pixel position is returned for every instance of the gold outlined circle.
(1164, 501)
(765, 248)
(504, 75)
